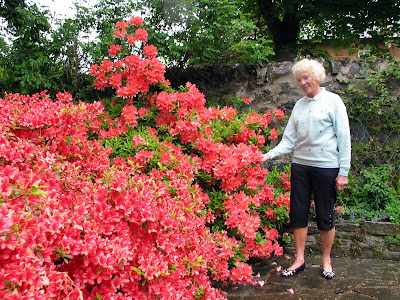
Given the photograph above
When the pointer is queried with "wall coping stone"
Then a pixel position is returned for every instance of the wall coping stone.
(362, 240)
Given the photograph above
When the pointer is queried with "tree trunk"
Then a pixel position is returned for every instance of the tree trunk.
(284, 30)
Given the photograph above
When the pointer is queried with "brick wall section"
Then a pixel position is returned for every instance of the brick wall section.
(345, 54)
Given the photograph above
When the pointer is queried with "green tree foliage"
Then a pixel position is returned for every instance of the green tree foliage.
(85, 39)
(37, 56)
(9, 11)
(219, 31)
(98, 23)
(340, 21)
(204, 32)
(26, 64)
(186, 32)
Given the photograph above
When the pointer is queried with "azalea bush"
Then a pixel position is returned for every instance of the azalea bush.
(148, 195)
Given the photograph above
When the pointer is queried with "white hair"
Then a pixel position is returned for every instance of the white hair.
(314, 67)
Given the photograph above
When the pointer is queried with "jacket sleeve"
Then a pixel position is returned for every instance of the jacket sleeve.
(288, 141)
(342, 131)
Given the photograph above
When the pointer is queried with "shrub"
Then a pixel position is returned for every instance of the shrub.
(151, 203)
(370, 196)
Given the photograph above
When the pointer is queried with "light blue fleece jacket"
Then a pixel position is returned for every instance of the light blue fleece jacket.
(318, 133)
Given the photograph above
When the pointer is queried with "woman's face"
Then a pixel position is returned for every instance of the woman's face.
(308, 84)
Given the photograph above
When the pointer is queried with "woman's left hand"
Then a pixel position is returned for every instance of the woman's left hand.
(341, 182)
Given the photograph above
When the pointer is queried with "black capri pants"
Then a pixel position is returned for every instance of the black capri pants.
(322, 183)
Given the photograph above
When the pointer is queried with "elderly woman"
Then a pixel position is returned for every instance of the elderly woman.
(318, 133)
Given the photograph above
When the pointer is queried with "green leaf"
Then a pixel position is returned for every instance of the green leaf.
(8, 236)
(7, 282)
(36, 191)
(137, 270)
(39, 255)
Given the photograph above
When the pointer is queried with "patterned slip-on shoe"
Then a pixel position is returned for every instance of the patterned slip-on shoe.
(287, 273)
(328, 275)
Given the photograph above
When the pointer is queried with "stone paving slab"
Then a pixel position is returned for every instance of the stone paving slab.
(356, 279)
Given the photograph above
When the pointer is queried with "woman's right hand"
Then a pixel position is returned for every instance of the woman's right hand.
(265, 158)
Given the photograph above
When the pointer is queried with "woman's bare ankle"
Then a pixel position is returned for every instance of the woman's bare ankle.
(297, 264)
(327, 265)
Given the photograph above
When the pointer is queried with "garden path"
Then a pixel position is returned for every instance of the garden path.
(356, 279)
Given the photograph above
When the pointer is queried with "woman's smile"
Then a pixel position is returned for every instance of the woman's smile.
(308, 84)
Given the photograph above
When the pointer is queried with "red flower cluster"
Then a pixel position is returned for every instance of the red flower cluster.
(132, 75)
(278, 113)
(73, 225)
(286, 181)
(233, 164)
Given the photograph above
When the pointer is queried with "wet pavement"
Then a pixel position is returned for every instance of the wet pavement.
(356, 279)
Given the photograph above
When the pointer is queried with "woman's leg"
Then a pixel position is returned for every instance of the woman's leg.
(300, 238)
(299, 208)
(327, 238)
(324, 188)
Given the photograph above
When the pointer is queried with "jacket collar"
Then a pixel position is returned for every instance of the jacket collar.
(318, 97)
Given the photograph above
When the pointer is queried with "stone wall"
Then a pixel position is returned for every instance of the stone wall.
(362, 240)
(272, 85)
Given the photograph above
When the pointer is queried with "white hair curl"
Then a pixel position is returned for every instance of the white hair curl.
(314, 67)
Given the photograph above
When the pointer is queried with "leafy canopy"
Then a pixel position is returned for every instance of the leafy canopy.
(204, 32)
(291, 21)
